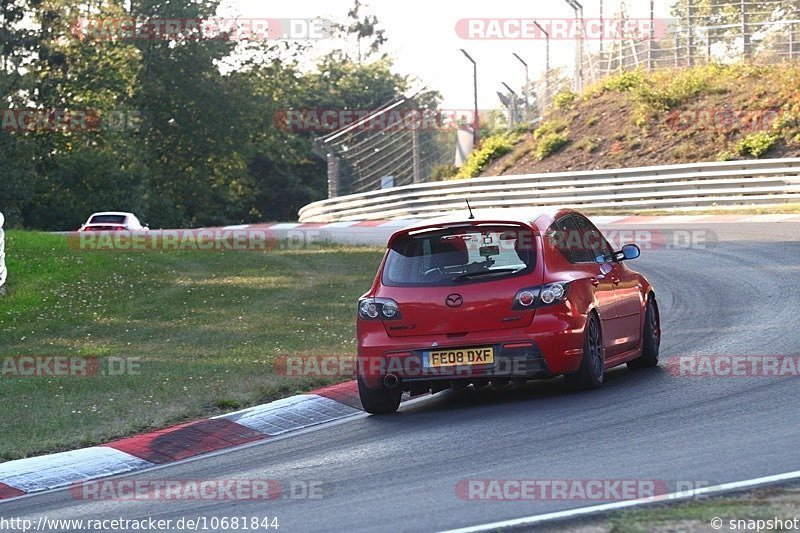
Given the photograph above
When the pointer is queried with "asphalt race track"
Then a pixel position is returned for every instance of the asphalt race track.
(738, 296)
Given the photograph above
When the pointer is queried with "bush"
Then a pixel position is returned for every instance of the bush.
(756, 144)
(550, 144)
(550, 126)
(491, 148)
(564, 99)
(627, 81)
(588, 144)
(443, 172)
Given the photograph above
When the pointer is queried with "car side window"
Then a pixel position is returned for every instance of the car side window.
(567, 237)
(594, 240)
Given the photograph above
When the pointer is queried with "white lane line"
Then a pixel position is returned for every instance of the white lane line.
(615, 506)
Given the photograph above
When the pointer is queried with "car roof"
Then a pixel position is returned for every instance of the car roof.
(114, 213)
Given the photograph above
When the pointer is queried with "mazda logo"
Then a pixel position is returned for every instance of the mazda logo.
(454, 300)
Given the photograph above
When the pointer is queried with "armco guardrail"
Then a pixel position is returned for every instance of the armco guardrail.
(733, 183)
(2, 252)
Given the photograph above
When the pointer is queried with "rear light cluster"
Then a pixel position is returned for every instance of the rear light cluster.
(378, 309)
(533, 297)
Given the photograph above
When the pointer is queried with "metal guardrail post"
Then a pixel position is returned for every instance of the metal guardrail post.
(333, 176)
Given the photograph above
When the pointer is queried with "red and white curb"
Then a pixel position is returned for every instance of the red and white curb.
(37, 474)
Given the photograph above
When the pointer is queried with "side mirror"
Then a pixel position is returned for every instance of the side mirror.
(629, 251)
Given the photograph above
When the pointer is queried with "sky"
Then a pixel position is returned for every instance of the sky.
(423, 39)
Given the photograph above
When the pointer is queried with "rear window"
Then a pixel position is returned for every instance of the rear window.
(107, 219)
(459, 255)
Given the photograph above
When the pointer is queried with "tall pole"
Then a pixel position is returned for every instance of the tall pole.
(650, 65)
(578, 9)
(546, 65)
(513, 107)
(527, 85)
(475, 121)
(690, 34)
(745, 35)
(602, 30)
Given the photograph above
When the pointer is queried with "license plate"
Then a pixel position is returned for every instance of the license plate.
(459, 357)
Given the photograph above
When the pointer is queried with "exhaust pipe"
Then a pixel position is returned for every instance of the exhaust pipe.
(391, 381)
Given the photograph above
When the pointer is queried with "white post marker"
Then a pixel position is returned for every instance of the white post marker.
(3, 272)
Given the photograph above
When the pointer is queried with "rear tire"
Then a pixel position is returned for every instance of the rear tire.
(591, 372)
(651, 338)
(379, 401)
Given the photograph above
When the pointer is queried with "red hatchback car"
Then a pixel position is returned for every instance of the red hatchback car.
(504, 297)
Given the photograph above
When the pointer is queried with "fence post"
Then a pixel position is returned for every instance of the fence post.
(333, 175)
(690, 33)
(415, 152)
(650, 65)
(745, 36)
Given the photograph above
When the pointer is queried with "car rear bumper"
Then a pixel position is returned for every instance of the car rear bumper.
(519, 354)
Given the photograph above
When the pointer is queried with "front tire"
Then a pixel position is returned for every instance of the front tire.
(591, 372)
(379, 401)
(651, 338)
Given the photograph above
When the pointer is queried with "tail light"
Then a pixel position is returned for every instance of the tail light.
(378, 309)
(533, 297)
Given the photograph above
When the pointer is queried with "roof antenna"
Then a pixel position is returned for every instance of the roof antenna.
(471, 216)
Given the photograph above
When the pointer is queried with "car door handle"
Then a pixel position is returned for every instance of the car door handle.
(615, 280)
(595, 282)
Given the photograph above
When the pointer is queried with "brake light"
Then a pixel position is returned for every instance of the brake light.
(533, 297)
(378, 309)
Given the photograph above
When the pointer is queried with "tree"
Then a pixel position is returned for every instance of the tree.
(361, 32)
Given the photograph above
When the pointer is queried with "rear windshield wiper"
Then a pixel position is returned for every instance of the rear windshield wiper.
(496, 272)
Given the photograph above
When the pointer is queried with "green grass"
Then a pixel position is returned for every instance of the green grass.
(205, 326)
(697, 515)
